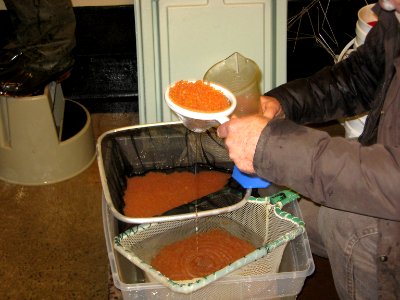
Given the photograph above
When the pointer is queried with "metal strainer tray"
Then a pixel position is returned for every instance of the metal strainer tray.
(135, 150)
(260, 221)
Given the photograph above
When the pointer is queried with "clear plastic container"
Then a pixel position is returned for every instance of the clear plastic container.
(242, 77)
(296, 264)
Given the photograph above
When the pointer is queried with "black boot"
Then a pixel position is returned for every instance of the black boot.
(27, 79)
(9, 58)
(45, 30)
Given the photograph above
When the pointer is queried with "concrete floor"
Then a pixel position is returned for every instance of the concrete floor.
(52, 243)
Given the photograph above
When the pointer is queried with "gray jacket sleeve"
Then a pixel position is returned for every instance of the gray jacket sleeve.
(332, 171)
(344, 89)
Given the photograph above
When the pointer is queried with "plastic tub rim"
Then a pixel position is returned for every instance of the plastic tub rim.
(130, 287)
(366, 11)
(180, 217)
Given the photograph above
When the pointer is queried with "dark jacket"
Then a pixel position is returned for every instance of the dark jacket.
(360, 177)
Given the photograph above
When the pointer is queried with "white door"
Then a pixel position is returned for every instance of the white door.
(182, 39)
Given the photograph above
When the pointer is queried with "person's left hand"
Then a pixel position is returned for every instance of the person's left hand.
(241, 136)
(271, 108)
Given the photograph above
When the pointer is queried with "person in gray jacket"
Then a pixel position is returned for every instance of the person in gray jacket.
(354, 184)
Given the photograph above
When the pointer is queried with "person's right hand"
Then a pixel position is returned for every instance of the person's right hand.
(271, 108)
(241, 137)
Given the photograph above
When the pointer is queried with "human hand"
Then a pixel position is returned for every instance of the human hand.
(241, 136)
(271, 108)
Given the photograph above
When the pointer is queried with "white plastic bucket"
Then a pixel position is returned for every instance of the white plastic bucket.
(366, 20)
(366, 17)
(354, 127)
(360, 34)
(356, 44)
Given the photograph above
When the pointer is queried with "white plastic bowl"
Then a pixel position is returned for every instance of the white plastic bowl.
(198, 121)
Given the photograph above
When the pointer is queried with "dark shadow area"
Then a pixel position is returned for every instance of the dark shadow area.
(104, 78)
(305, 55)
(320, 284)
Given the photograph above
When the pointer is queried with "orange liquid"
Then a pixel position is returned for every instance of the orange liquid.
(200, 254)
(155, 193)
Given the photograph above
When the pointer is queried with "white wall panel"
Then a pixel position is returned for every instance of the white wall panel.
(182, 39)
(90, 3)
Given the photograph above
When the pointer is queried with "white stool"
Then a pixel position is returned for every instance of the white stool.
(31, 149)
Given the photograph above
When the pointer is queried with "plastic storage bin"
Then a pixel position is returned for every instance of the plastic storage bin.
(296, 264)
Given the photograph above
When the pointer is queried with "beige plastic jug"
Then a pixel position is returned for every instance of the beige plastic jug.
(242, 77)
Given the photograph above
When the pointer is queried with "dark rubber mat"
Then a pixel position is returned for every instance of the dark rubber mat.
(102, 77)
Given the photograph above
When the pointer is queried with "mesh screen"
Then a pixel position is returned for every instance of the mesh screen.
(257, 222)
(136, 151)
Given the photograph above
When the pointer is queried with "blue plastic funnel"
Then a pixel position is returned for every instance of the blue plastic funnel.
(249, 181)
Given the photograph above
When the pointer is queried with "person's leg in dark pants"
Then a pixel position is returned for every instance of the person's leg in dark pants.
(350, 242)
